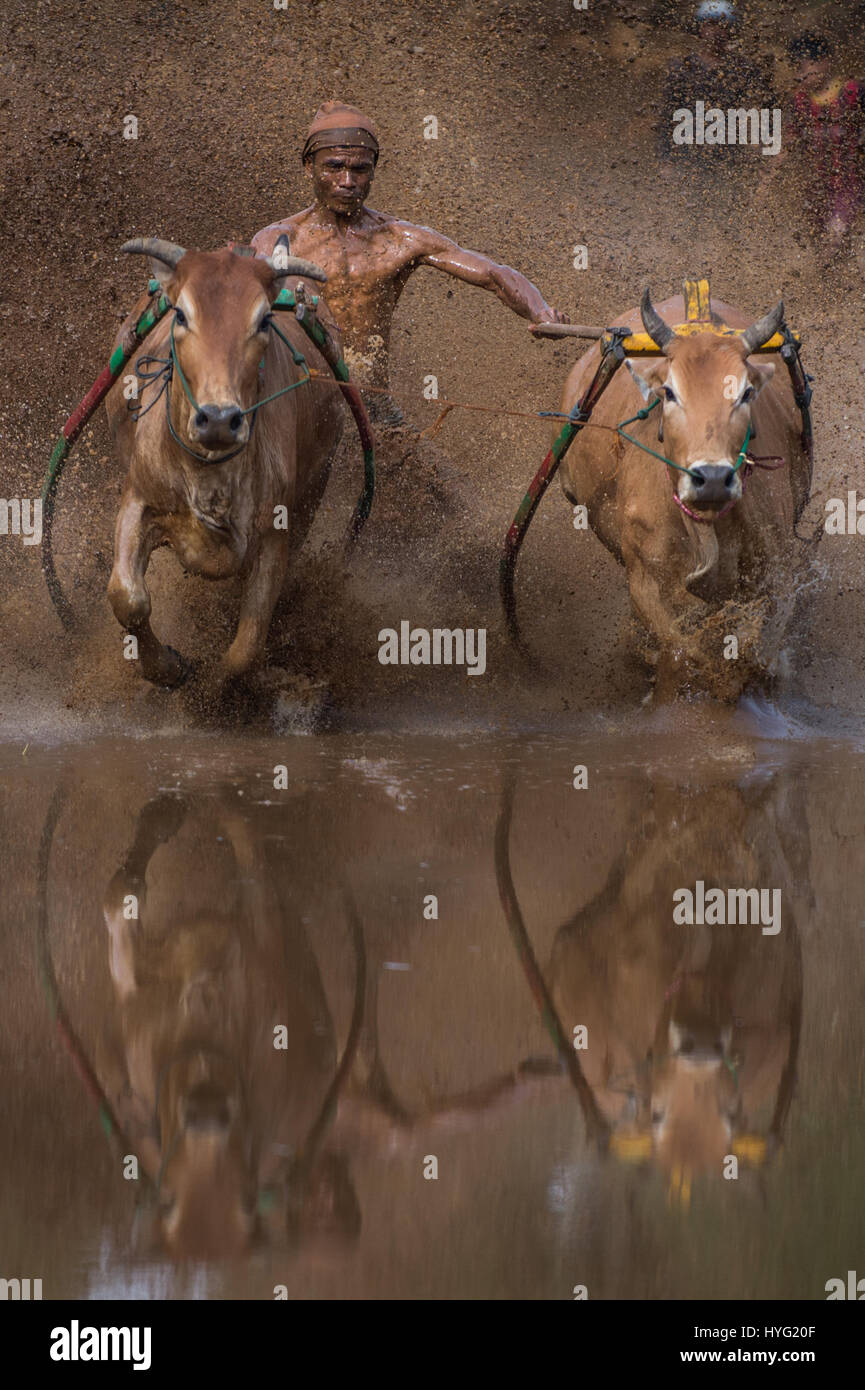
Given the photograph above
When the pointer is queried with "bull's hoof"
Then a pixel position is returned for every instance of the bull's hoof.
(172, 670)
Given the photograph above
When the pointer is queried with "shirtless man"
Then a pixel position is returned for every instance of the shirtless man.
(369, 256)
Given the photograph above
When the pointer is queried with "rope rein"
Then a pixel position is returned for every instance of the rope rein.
(768, 462)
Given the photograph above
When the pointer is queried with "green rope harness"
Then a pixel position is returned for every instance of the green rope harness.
(644, 415)
(297, 357)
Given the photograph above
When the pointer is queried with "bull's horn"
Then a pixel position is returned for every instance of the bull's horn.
(293, 265)
(764, 329)
(658, 331)
(166, 251)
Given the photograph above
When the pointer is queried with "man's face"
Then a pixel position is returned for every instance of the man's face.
(812, 74)
(341, 178)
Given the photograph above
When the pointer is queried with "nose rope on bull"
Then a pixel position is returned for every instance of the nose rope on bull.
(750, 465)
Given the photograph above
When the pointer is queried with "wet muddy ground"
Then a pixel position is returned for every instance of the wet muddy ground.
(302, 905)
(309, 906)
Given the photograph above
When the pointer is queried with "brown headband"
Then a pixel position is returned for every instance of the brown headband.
(349, 136)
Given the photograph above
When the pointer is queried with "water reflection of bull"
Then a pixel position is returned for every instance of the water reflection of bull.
(226, 1125)
(240, 1144)
(692, 1032)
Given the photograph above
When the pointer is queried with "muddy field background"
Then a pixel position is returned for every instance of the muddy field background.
(546, 140)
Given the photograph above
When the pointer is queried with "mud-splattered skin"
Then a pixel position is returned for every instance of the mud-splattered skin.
(370, 255)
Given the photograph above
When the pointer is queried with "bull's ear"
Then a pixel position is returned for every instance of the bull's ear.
(650, 378)
(760, 374)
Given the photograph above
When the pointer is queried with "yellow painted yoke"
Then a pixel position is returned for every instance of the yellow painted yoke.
(698, 319)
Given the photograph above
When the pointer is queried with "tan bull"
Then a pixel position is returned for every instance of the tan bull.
(230, 486)
(692, 1030)
(205, 972)
(702, 534)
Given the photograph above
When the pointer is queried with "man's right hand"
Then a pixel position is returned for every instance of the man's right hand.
(549, 315)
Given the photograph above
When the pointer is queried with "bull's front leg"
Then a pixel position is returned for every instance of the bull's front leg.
(663, 605)
(134, 540)
(126, 895)
(261, 589)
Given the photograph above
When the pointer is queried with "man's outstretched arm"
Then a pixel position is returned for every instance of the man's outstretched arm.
(513, 289)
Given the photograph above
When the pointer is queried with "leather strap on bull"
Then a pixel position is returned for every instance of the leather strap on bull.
(159, 306)
(617, 344)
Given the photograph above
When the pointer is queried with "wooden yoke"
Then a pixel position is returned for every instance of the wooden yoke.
(699, 318)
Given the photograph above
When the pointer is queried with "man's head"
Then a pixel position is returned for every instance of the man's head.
(812, 57)
(340, 156)
(716, 22)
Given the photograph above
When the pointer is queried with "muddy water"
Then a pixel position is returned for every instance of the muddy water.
(181, 915)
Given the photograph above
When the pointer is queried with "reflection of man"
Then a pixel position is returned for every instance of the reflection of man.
(829, 126)
(718, 74)
(368, 255)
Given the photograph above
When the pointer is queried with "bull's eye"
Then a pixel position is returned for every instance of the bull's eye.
(180, 318)
(747, 395)
(669, 394)
(657, 1115)
(264, 325)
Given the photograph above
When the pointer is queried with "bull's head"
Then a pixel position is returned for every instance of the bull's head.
(694, 1106)
(214, 1199)
(695, 1099)
(707, 387)
(222, 305)
(207, 1183)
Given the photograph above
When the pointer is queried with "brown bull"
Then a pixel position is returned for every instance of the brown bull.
(202, 979)
(692, 1031)
(694, 537)
(231, 488)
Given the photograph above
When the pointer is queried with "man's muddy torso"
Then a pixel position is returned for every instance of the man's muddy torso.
(368, 264)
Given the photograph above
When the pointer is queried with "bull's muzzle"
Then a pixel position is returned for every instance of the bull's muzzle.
(219, 426)
(207, 1108)
(708, 485)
